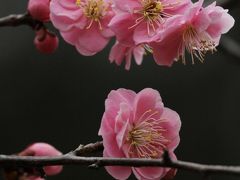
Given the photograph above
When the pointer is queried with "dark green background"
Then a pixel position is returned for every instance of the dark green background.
(59, 98)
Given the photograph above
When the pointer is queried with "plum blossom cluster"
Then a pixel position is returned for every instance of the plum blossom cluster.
(137, 125)
(166, 28)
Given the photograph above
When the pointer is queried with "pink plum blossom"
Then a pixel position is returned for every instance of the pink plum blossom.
(83, 23)
(139, 126)
(136, 21)
(119, 52)
(198, 31)
(39, 9)
(45, 41)
(42, 149)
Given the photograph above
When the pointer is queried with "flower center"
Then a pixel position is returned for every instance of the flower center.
(94, 10)
(154, 13)
(151, 9)
(146, 138)
(196, 44)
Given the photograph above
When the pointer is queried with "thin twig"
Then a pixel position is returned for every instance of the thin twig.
(14, 161)
(20, 19)
(84, 150)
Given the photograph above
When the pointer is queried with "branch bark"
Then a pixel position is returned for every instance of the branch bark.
(20, 19)
(71, 158)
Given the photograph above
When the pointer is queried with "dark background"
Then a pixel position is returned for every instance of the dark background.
(59, 98)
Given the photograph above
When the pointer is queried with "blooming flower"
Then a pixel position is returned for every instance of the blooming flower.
(138, 126)
(198, 31)
(39, 10)
(119, 52)
(45, 41)
(83, 23)
(137, 20)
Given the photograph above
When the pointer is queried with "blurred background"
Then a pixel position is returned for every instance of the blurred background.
(59, 98)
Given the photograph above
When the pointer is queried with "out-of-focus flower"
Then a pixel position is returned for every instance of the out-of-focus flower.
(119, 53)
(39, 9)
(138, 126)
(198, 31)
(136, 21)
(29, 173)
(83, 23)
(45, 41)
(43, 149)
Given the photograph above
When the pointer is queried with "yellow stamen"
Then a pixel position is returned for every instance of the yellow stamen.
(146, 138)
(153, 12)
(94, 10)
(78, 2)
(196, 44)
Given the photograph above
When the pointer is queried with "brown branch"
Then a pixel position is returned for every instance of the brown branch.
(84, 150)
(14, 161)
(20, 19)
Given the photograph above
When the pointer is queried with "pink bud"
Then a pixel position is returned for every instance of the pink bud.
(39, 9)
(43, 149)
(45, 41)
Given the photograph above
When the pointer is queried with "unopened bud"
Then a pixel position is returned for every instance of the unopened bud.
(39, 9)
(45, 41)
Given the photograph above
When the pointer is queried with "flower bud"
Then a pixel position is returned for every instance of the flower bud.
(43, 149)
(39, 9)
(45, 41)
(33, 173)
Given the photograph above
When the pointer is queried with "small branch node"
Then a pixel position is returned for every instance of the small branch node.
(96, 165)
(166, 158)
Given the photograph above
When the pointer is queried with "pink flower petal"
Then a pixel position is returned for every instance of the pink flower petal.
(117, 172)
(72, 11)
(127, 5)
(122, 123)
(150, 172)
(121, 26)
(91, 40)
(141, 34)
(168, 47)
(138, 53)
(172, 124)
(117, 53)
(112, 104)
(70, 36)
(147, 99)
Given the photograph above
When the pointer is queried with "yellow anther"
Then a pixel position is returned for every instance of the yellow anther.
(159, 7)
(78, 2)
(94, 10)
